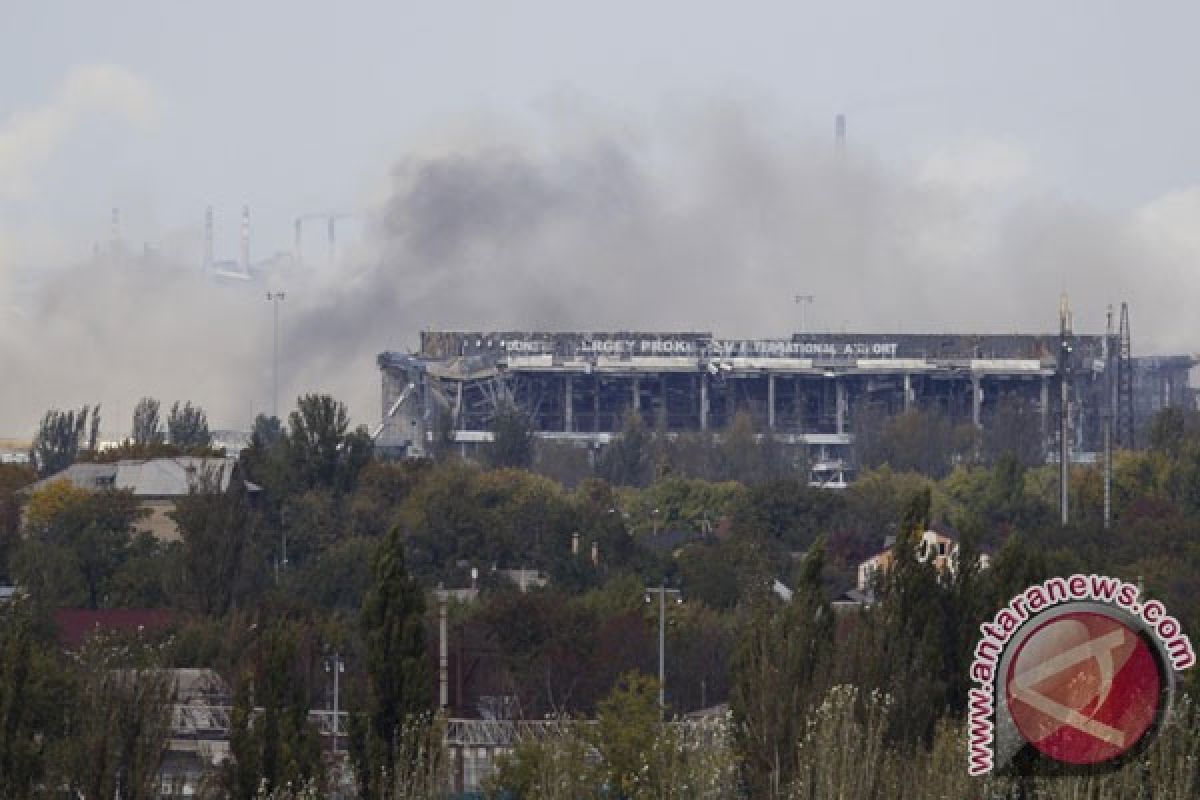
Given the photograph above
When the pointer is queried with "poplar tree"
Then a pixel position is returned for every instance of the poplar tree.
(399, 690)
(146, 429)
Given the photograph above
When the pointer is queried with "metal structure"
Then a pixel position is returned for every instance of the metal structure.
(803, 300)
(275, 298)
(233, 268)
(1125, 400)
(1110, 386)
(1066, 349)
(331, 220)
(208, 238)
(662, 591)
(245, 262)
(336, 666)
(810, 390)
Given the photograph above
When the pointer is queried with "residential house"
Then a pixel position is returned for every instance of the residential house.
(936, 546)
(157, 483)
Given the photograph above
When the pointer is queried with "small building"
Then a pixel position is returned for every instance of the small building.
(77, 625)
(157, 483)
(938, 547)
(524, 579)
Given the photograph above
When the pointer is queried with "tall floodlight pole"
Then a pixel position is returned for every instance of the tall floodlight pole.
(275, 298)
(1109, 390)
(336, 666)
(1064, 429)
(662, 591)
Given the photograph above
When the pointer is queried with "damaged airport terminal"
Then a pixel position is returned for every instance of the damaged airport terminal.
(803, 390)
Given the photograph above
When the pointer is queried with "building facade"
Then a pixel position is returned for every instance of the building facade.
(809, 389)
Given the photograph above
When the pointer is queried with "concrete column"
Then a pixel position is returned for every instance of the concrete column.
(569, 403)
(799, 406)
(703, 402)
(662, 402)
(908, 392)
(1044, 402)
(976, 400)
(839, 386)
(771, 401)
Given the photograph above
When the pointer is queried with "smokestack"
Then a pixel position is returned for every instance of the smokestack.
(246, 239)
(332, 239)
(299, 241)
(115, 232)
(839, 130)
(208, 238)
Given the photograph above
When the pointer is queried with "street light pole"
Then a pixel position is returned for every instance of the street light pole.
(274, 298)
(662, 591)
(336, 666)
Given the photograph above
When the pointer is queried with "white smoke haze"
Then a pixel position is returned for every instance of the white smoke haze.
(705, 219)
(29, 138)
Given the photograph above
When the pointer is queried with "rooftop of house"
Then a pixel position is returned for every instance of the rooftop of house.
(77, 625)
(155, 477)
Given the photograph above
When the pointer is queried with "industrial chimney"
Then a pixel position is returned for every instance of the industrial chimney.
(332, 239)
(208, 238)
(246, 239)
(839, 130)
(299, 241)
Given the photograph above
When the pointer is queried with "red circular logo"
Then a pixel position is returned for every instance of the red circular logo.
(1084, 688)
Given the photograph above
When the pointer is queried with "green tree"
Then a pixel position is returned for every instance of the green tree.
(92, 529)
(278, 746)
(32, 698)
(628, 724)
(629, 459)
(778, 668)
(119, 721)
(218, 544)
(187, 427)
(13, 478)
(146, 430)
(923, 441)
(267, 462)
(1013, 429)
(322, 449)
(513, 442)
(399, 682)
(59, 440)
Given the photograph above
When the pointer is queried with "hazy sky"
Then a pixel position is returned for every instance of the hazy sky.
(1048, 120)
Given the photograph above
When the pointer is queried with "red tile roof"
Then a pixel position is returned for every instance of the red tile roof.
(77, 625)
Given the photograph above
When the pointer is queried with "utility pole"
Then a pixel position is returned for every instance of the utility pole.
(1064, 381)
(275, 298)
(336, 666)
(1110, 387)
(443, 650)
(662, 591)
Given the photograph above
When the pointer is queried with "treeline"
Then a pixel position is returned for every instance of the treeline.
(64, 437)
(317, 549)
